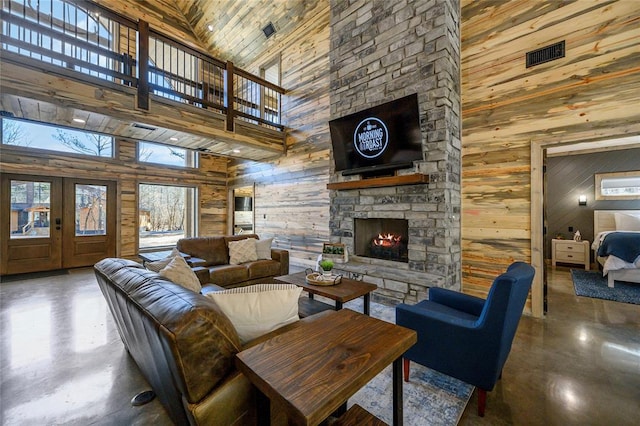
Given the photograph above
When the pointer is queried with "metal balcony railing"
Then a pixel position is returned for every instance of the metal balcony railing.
(93, 41)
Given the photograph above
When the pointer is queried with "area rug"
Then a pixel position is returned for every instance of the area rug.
(593, 284)
(430, 398)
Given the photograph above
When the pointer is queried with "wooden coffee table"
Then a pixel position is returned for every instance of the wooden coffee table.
(343, 292)
(313, 369)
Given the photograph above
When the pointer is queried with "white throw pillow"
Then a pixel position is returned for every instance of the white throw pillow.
(627, 222)
(258, 309)
(180, 273)
(242, 251)
(263, 248)
(160, 264)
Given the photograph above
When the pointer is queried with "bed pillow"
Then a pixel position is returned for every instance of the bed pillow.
(258, 309)
(180, 273)
(242, 251)
(627, 222)
(263, 248)
(160, 264)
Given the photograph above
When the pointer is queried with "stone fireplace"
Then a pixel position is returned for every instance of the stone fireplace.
(381, 51)
(382, 238)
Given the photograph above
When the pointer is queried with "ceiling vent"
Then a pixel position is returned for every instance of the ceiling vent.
(269, 30)
(545, 54)
(143, 126)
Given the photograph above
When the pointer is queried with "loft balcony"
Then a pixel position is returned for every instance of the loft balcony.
(60, 61)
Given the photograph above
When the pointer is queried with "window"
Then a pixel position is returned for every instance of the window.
(166, 155)
(271, 72)
(166, 214)
(618, 186)
(30, 206)
(52, 138)
(91, 212)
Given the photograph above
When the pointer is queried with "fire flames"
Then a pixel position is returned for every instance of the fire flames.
(387, 240)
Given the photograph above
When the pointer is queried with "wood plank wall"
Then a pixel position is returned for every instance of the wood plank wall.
(210, 179)
(590, 94)
(291, 199)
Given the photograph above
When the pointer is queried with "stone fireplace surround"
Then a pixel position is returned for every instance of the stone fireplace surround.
(382, 51)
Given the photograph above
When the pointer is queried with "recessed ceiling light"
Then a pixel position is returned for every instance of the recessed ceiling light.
(79, 120)
(210, 27)
(173, 139)
(236, 151)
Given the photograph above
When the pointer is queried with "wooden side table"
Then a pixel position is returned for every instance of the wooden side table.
(313, 369)
(569, 251)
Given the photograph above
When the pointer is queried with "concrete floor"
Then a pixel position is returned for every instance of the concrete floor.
(62, 361)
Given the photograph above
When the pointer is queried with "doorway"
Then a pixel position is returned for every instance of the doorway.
(243, 217)
(539, 151)
(49, 223)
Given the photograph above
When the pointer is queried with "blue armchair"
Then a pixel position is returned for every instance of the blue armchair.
(467, 337)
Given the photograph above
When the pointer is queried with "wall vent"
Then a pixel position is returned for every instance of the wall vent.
(269, 30)
(545, 54)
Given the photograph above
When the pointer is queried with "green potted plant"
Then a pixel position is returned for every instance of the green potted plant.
(327, 266)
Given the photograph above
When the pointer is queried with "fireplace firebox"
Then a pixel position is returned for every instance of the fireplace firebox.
(382, 238)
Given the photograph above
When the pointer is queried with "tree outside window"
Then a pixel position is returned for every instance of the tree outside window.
(166, 214)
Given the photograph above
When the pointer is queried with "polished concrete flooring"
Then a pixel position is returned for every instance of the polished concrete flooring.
(62, 361)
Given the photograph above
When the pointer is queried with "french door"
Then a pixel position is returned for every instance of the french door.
(53, 223)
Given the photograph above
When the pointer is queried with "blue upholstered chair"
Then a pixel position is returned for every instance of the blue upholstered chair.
(467, 337)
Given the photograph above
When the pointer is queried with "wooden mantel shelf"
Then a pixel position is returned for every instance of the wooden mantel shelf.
(380, 182)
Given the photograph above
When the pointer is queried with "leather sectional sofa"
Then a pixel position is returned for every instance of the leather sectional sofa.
(183, 344)
(209, 259)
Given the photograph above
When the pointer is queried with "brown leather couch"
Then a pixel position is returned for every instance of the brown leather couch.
(183, 344)
(209, 259)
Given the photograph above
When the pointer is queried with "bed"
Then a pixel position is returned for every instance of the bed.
(617, 231)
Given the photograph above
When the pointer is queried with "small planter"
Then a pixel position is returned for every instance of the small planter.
(335, 252)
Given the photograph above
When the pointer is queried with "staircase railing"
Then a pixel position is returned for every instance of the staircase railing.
(93, 41)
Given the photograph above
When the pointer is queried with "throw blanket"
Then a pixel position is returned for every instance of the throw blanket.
(625, 245)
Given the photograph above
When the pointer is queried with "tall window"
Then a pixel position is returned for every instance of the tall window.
(166, 214)
(34, 135)
(149, 152)
(271, 72)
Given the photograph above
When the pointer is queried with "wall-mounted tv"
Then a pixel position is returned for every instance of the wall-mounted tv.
(379, 139)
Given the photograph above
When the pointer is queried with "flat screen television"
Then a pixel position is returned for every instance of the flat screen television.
(380, 139)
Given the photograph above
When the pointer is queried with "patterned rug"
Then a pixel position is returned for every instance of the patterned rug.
(593, 284)
(430, 398)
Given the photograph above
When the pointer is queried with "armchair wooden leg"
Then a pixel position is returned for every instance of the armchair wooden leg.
(405, 363)
(482, 401)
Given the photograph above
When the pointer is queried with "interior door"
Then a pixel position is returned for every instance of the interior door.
(30, 222)
(52, 223)
(89, 221)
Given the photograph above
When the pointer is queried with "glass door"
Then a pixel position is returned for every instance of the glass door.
(90, 222)
(49, 223)
(30, 222)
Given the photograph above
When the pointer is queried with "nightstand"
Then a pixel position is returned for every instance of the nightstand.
(569, 251)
